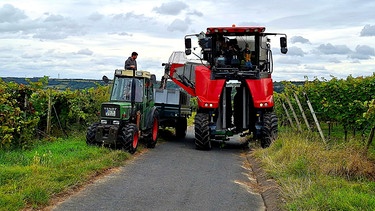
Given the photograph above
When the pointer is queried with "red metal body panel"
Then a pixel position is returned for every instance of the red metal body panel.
(207, 91)
(261, 91)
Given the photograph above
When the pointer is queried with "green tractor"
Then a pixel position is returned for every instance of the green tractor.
(129, 116)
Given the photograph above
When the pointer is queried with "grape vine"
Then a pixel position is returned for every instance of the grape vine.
(349, 102)
(23, 110)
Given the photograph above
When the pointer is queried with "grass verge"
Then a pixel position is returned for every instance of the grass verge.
(31, 178)
(315, 176)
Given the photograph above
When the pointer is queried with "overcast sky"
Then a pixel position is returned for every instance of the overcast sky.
(89, 39)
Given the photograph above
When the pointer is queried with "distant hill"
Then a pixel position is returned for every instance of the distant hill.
(60, 84)
(73, 84)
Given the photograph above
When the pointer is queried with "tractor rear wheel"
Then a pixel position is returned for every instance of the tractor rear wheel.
(181, 127)
(269, 130)
(128, 138)
(202, 131)
(153, 135)
(90, 135)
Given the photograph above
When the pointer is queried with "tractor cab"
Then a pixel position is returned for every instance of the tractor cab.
(236, 52)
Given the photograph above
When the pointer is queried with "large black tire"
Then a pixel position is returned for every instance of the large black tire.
(153, 133)
(181, 127)
(128, 138)
(90, 135)
(202, 131)
(269, 130)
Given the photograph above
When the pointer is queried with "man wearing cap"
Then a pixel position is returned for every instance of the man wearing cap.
(131, 63)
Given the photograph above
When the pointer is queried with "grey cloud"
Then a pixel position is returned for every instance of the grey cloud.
(359, 56)
(333, 49)
(179, 25)
(368, 30)
(295, 51)
(125, 34)
(299, 39)
(85, 51)
(288, 60)
(365, 49)
(334, 60)
(363, 52)
(30, 56)
(10, 14)
(95, 16)
(196, 13)
(49, 26)
(57, 27)
(131, 16)
(171, 8)
(356, 61)
(54, 18)
(314, 67)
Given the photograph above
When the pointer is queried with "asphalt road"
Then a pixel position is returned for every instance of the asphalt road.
(174, 176)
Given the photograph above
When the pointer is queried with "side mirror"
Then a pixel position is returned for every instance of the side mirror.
(283, 45)
(105, 79)
(187, 46)
(153, 79)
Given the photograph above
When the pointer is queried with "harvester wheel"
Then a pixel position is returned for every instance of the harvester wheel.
(152, 137)
(90, 135)
(269, 131)
(202, 131)
(181, 127)
(128, 138)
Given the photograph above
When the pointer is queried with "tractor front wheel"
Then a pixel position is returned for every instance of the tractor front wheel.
(202, 131)
(269, 130)
(90, 135)
(129, 137)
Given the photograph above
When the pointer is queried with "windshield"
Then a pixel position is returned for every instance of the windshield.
(122, 89)
(245, 52)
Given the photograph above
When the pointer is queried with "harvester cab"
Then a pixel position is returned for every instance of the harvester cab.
(129, 115)
(231, 78)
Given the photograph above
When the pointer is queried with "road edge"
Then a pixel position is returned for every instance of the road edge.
(270, 190)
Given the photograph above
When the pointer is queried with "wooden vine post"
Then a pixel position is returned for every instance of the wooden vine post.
(315, 119)
(371, 136)
(302, 112)
(49, 112)
(294, 114)
(287, 114)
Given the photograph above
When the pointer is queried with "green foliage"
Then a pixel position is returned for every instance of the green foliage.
(193, 103)
(31, 177)
(24, 109)
(344, 101)
(17, 116)
(369, 115)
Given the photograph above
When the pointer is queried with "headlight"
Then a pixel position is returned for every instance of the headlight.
(116, 122)
(103, 121)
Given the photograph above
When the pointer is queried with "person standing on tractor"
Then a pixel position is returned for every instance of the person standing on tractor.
(131, 63)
